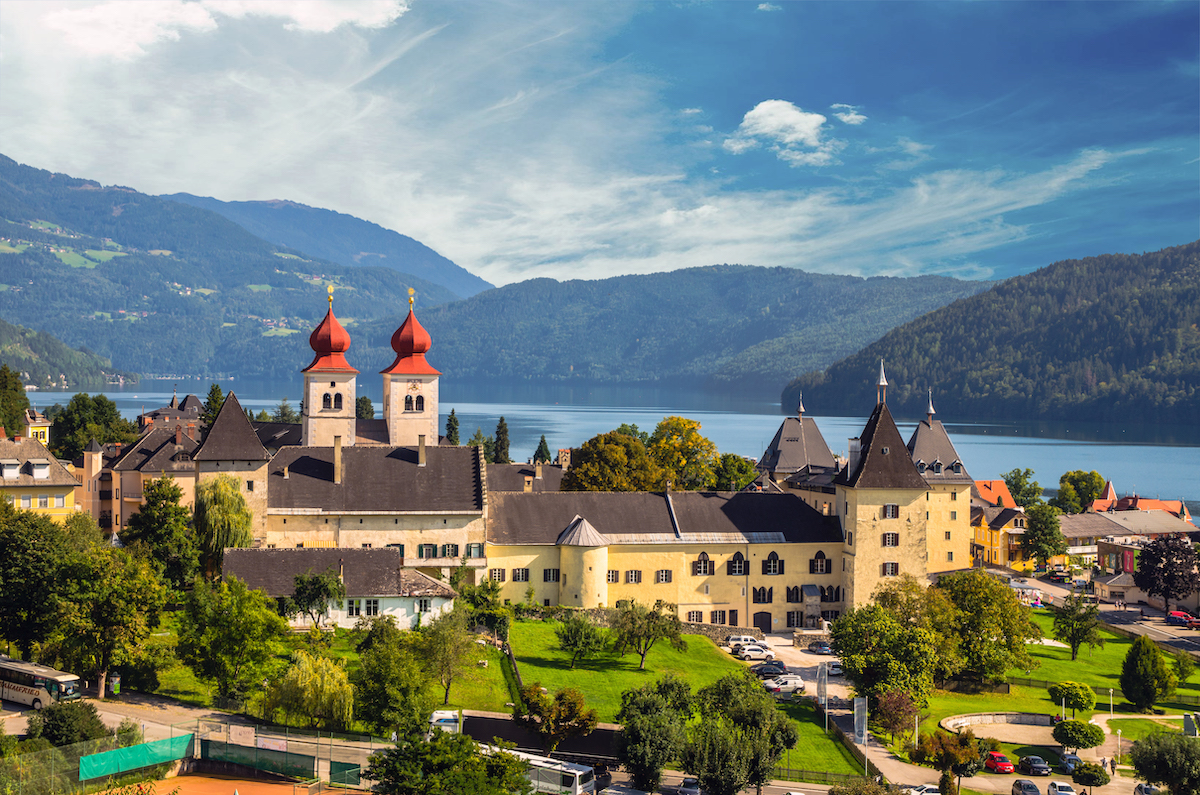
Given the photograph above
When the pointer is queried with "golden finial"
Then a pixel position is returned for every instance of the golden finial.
(330, 288)
(411, 293)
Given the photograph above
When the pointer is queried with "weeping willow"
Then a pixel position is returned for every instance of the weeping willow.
(314, 688)
(222, 519)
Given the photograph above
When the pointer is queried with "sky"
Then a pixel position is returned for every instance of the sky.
(590, 139)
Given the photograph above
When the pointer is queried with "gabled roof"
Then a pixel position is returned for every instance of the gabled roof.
(798, 443)
(377, 478)
(883, 461)
(580, 533)
(930, 446)
(995, 492)
(365, 572)
(997, 517)
(1084, 525)
(511, 477)
(231, 437)
(22, 454)
(156, 451)
(274, 435)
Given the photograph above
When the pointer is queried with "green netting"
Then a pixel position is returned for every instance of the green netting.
(289, 764)
(343, 772)
(135, 757)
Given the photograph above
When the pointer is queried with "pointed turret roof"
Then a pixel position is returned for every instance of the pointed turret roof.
(411, 342)
(798, 443)
(231, 437)
(934, 454)
(883, 461)
(580, 533)
(93, 447)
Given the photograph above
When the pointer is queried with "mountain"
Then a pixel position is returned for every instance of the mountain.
(43, 360)
(1104, 338)
(341, 238)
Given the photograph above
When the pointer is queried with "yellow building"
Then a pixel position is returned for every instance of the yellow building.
(33, 480)
(998, 532)
(37, 426)
(947, 497)
(160, 452)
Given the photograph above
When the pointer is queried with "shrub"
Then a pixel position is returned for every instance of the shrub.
(1075, 695)
(1090, 774)
(1076, 734)
(67, 723)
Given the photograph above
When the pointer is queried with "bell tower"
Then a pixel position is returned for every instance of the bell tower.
(329, 389)
(410, 386)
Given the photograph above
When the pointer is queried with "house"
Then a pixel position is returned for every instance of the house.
(37, 426)
(1082, 532)
(948, 527)
(183, 414)
(32, 479)
(997, 524)
(1109, 502)
(160, 452)
(1117, 555)
(376, 581)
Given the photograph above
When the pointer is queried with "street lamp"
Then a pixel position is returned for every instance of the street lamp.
(1118, 745)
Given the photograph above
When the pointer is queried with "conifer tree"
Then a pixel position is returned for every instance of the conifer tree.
(500, 451)
(452, 429)
(13, 401)
(1145, 678)
(542, 454)
(212, 407)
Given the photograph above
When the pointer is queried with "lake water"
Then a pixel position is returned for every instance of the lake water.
(1150, 460)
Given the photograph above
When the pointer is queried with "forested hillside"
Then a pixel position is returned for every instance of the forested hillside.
(43, 360)
(341, 238)
(1112, 337)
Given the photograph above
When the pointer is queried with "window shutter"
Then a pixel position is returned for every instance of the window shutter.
(695, 568)
(764, 567)
(420, 550)
(812, 565)
(781, 565)
(729, 568)
(454, 550)
(669, 573)
(770, 594)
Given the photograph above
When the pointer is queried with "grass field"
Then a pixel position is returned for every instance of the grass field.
(103, 255)
(1137, 728)
(815, 750)
(259, 288)
(74, 259)
(8, 248)
(281, 332)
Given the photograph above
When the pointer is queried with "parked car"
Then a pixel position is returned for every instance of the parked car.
(736, 642)
(835, 669)
(1068, 762)
(998, 763)
(1178, 618)
(820, 647)
(788, 683)
(756, 652)
(1024, 786)
(769, 669)
(1059, 788)
(920, 789)
(1146, 789)
(1059, 576)
(690, 786)
(1033, 766)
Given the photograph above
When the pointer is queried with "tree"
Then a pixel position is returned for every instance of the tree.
(487, 443)
(13, 401)
(85, 418)
(1185, 666)
(452, 429)
(1090, 774)
(653, 722)
(765, 731)
(212, 407)
(1025, 491)
(391, 688)
(554, 718)
(637, 628)
(1043, 538)
(500, 450)
(635, 432)
(895, 712)
(262, 416)
(580, 637)
(688, 459)
(229, 635)
(864, 786)
(1074, 696)
(446, 647)
(956, 754)
(285, 413)
(880, 654)
(717, 754)
(31, 575)
(364, 409)
(315, 688)
(1169, 759)
(992, 625)
(1077, 734)
(612, 462)
(446, 764)
(1145, 678)
(1166, 567)
(914, 603)
(161, 531)
(222, 520)
(66, 723)
(313, 594)
(1084, 486)
(734, 472)
(1067, 499)
(542, 454)
(1077, 622)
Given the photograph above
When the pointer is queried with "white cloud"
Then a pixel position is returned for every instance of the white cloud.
(849, 114)
(768, 7)
(690, 111)
(794, 135)
(917, 154)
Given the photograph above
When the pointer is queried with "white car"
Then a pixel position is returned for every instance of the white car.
(1146, 789)
(921, 789)
(756, 652)
(788, 683)
(1059, 788)
(690, 786)
(735, 642)
(835, 669)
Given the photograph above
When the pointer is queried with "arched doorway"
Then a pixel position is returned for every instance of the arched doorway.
(762, 622)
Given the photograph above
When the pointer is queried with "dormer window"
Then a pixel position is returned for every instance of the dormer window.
(937, 467)
(40, 468)
(921, 467)
(958, 467)
(11, 468)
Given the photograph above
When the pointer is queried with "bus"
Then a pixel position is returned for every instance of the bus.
(34, 684)
(553, 775)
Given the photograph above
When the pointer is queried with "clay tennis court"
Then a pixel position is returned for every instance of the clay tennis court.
(222, 785)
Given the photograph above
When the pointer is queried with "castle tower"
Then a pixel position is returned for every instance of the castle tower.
(410, 386)
(329, 390)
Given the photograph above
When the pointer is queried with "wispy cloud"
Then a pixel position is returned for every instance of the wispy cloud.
(848, 114)
(768, 7)
(794, 135)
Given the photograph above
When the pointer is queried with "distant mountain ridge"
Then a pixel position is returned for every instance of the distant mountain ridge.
(341, 238)
(1107, 338)
(43, 360)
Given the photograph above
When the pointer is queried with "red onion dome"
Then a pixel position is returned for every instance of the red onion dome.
(330, 342)
(410, 342)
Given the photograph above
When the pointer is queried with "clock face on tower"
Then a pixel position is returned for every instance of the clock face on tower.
(414, 386)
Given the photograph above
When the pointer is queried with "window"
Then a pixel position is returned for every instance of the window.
(354, 607)
(891, 570)
(921, 467)
(43, 501)
(633, 577)
(545, 603)
(337, 401)
(397, 546)
(60, 501)
(474, 550)
(850, 538)
(891, 539)
(408, 403)
(947, 535)
(496, 575)
(662, 576)
(549, 575)
(520, 575)
(372, 607)
(420, 402)
(736, 567)
(819, 564)
(449, 550)
(772, 565)
(717, 617)
(953, 494)
(957, 469)
(891, 512)
(695, 616)
(614, 576)
(249, 485)
(937, 467)
(762, 596)
(954, 516)
(366, 546)
(426, 550)
(949, 556)
(1019, 523)
(422, 605)
(326, 401)
(702, 566)
(795, 618)
(793, 594)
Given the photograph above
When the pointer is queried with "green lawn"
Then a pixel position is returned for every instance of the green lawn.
(8, 248)
(281, 332)
(1137, 728)
(482, 688)
(603, 678)
(1021, 699)
(815, 751)
(259, 288)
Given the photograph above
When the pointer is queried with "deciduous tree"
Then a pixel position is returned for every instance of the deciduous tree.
(579, 637)
(1170, 759)
(391, 687)
(1145, 678)
(612, 462)
(718, 755)
(1077, 622)
(1166, 567)
(31, 575)
(452, 429)
(313, 593)
(1024, 489)
(993, 626)
(314, 688)
(161, 530)
(1077, 734)
(446, 647)
(734, 472)
(1185, 666)
(446, 764)
(688, 459)
(914, 603)
(653, 722)
(1073, 695)
(88, 417)
(1090, 774)
(67, 723)
(765, 731)
(880, 654)
(554, 718)
(638, 628)
(896, 711)
(1084, 487)
(222, 520)
(1043, 538)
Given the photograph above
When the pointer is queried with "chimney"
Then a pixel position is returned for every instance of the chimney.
(855, 448)
(528, 484)
(337, 459)
(2, 435)
(420, 449)
(191, 431)
(537, 469)
(285, 471)
(178, 435)
(341, 570)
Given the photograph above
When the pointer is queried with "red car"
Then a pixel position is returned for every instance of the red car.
(998, 763)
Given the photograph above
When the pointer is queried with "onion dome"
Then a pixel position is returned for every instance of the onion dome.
(329, 342)
(410, 342)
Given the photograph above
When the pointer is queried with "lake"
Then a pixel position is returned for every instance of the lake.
(1150, 460)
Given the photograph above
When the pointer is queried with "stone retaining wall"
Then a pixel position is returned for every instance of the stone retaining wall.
(718, 632)
(954, 723)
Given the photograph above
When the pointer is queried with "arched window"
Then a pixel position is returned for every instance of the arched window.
(326, 401)
(772, 565)
(337, 401)
(837, 594)
(702, 566)
(408, 403)
(819, 564)
(420, 402)
(736, 567)
(937, 467)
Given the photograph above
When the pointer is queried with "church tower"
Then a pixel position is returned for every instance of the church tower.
(329, 391)
(410, 386)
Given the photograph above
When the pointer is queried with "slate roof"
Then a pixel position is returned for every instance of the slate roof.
(25, 451)
(365, 572)
(1085, 525)
(798, 443)
(580, 533)
(996, 517)
(516, 518)
(274, 435)
(511, 477)
(930, 445)
(1121, 578)
(1148, 523)
(877, 469)
(156, 451)
(377, 478)
(231, 437)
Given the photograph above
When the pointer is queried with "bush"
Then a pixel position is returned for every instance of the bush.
(67, 723)
(946, 784)
(1076, 734)
(1090, 774)
(142, 674)
(1075, 695)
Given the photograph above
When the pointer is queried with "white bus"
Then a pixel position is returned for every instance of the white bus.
(37, 685)
(554, 776)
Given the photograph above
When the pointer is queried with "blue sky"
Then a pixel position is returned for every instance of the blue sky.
(583, 140)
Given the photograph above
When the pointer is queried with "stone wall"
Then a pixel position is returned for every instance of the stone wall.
(955, 722)
(718, 632)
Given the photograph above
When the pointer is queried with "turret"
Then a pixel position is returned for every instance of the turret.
(329, 385)
(410, 385)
